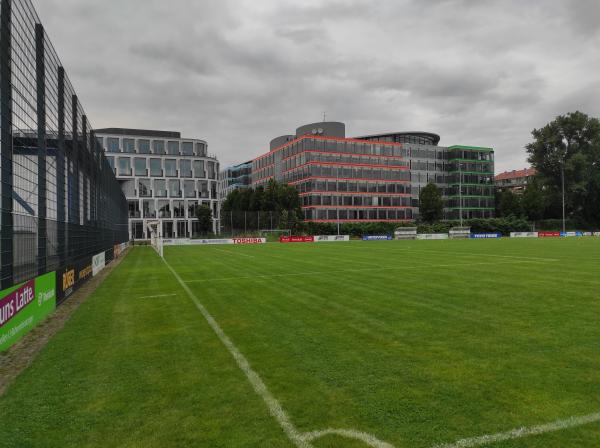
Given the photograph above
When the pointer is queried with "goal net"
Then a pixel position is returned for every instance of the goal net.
(155, 236)
(272, 235)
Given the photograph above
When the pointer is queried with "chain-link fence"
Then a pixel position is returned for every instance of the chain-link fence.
(60, 202)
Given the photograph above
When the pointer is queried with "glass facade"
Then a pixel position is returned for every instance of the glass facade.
(164, 178)
(379, 178)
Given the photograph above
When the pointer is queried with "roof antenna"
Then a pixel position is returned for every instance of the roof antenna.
(324, 117)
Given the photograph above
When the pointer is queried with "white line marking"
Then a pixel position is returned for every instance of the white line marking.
(337, 271)
(234, 253)
(350, 434)
(518, 433)
(159, 295)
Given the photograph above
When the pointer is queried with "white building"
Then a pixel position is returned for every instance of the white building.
(164, 177)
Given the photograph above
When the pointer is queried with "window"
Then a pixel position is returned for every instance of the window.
(173, 148)
(211, 170)
(164, 209)
(174, 188)
(149, 209)
(185, 168)
(201, 149)
(192, 209)
(111, 162)
(203, 188)
(156, 168)
(112, 144)
(160, 188)
(134, 209)
(189, 188)
(187, 149)
(199, 169)
(140, 167)
(124, 166)
(128, 188)
(178, 209)
(144, 146)
(158, 146)
(170, 167)
(128, 145)
(144, 188)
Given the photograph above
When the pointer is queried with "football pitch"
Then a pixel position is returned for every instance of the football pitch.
(416, 344)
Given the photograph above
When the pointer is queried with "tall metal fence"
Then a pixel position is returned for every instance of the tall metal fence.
(60, 201)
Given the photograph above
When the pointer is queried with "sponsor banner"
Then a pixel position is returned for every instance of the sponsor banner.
(331, 238)
(118, 249)
(570, 234)
(249, 241)
(204, 242)
(23, 306)
(433, 236)
(549, 234)
(98, 263)
(70, 278)
(523, 234)
(176, 242)
(596, 233)
(588, 234)
(483, 236)
(377, 238)
(297, 239)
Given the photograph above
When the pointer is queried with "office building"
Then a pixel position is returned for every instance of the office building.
(377, 177)
(164, 177)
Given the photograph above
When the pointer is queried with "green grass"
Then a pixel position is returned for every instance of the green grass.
(417, 343)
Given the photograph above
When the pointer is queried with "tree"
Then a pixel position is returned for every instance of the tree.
(570, 142)
(431, 204)
(204, 216)
(533, 202)
(509, 204)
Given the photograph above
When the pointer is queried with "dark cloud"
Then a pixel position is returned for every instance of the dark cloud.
(238, 72)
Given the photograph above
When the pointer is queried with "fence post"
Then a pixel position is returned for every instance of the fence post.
(6, 206)
(40, 72)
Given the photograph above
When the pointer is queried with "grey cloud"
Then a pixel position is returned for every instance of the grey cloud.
(238, 72)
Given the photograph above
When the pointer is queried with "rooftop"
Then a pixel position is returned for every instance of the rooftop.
(139, 132)
(516, 174)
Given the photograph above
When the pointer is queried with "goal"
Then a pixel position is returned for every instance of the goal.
(156, 240)
(274, 234)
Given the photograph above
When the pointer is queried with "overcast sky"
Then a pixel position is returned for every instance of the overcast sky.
(240, 72)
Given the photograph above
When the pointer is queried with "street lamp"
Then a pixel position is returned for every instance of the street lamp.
(566, 144)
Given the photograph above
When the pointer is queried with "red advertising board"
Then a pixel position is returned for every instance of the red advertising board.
(249, 240)
(297, 239)
(549, 234)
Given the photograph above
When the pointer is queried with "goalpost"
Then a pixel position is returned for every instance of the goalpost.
(156, 240)
(268, 234)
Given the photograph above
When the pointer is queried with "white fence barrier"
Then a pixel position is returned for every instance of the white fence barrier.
(523, 234)
(331, 238)
(433, 236)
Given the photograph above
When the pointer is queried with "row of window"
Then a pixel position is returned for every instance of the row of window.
(479, 167)
(142, 166)
(346, 173)
(151, 209)
(308, 156)
(471, 202)
(174, 188)
(470, 214)
(145, 146)
(355, 201)
(469, 178)
(357, 215)
(346, 186)
(465, 154)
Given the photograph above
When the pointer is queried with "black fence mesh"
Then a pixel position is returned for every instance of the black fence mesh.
(60, 202)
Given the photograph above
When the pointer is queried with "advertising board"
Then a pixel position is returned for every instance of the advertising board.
(71, 277)
(23, 306)
(570, 234)
(484, 236)
(249, 241)
(98, 263)
(331, 238)
(297, 239)
(433, 236)
(209, 241)
(523, 234)
(549, 234)
(377, 238)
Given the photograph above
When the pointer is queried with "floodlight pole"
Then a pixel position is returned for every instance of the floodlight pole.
(562, 176)
(460, 208)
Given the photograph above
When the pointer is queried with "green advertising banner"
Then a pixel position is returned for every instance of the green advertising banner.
(23, 306)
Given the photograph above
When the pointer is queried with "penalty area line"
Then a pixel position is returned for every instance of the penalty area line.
(518, 433)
